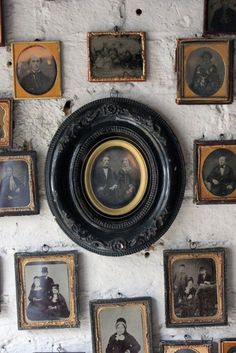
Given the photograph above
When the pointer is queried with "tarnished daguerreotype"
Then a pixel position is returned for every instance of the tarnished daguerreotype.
(18, 183)
(220, 17)
(187, 346)
(227, 345)
(117, 56)
(5, 123)
(37, 72)
(195, 289)
(204, 68)
(215, 171)
(46, 289)
(122, 325)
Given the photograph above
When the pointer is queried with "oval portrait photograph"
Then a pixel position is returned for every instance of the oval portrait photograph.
(205, 71)
(219, 172)
(36, 70)
(115, 177)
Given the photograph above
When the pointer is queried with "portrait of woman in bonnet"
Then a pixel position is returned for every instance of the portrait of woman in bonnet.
(121, 341)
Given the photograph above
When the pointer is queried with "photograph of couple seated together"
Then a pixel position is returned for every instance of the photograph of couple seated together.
(45, 301)
(195, 292)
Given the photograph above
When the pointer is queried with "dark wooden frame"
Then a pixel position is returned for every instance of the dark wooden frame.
(9, 102)
(206, 29)
(2, 37)
(186, 344)
(224, 340)
(195, 321)
(197, 194)
(94, 123)
(96, 304)
(180, 68)
(23, 324)
(33, 207)
(91, 78)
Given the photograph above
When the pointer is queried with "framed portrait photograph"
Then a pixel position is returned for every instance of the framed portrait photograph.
(219, 17)
(227, 345)
(195, 287)
(121, 325)
(116, 56)
(47, 289)
(204, 71)
(2, 42)
(188, 346)
(18, 183)
(37, 70)
(215, 171)
(120, 181)
(5, 123)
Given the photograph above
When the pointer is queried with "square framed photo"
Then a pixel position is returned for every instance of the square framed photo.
(5, 123)
(18, 183)
(186, 346)
(219, 17)
(204, 71)
(195, 287)
(47, 289)
(1, 25)
(215, 171)
(116, 56)
(227, 345)
(36, 70)
(121, 325)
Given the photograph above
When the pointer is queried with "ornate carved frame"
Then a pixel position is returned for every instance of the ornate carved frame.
(86, 128)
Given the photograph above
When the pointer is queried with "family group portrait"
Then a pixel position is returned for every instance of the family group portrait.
(194, 288)
(115, 177)
(47, 289)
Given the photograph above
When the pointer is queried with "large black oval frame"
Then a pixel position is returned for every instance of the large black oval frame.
(94, 123)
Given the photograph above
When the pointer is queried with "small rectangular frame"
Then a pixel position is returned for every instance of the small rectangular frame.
(127, 65)
(218, 87)
(5, 123)
(218, 27)
(207, 171)
(227, 345)
(116, 314)
(191, 345)
(181, 304)
(48, 316)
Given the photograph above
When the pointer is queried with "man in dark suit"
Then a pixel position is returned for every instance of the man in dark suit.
(224, 19)
(105, 182)
(221, 181)
(36, 82)
(46, 282)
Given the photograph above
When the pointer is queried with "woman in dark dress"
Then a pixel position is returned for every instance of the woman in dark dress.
(36, 309)
(122, 341)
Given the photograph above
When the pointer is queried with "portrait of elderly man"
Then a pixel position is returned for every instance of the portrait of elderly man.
(35, 81)
(221, 180)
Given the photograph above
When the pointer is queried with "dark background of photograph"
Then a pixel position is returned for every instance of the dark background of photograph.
(214, 5)
(192, 267)
(57, 271)
(195, 59)
(213, 160)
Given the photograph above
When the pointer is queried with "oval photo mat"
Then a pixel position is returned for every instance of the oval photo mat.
(97, 122)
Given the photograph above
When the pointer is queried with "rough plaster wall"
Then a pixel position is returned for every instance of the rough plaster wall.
(103, 277)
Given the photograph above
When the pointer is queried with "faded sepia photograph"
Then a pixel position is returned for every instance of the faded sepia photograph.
(5, 123)
(37, 70)
(47, 289)
(116, 56)
(194, 282)
(205, 71)
(219, 172)
(115, 177)
(215, 171)
(121, 328)
(220, 16)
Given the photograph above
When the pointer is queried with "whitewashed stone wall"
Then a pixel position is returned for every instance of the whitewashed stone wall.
(103, 277)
